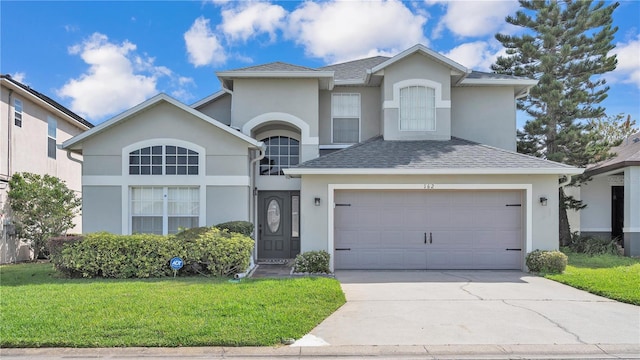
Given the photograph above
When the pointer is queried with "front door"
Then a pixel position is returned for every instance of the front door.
(278, 224)
(617, 212)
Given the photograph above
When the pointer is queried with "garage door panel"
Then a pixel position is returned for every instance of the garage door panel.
(469, 229)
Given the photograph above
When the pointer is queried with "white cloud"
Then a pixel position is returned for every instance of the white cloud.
(116, 80)
(628, 69)
(203, 46)
(478, 55)
(476, 18)
(342, 30)
(19, 77)
(252, 18)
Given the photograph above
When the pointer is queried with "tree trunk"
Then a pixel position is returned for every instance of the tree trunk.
(565, 229)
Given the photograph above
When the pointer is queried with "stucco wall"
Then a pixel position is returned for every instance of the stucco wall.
(370, 110)
(227, 203)
(596, 217)
(102, 209)
(254, 97)
(220, 109)
(484, 114)
(417, 66)
(314, 228)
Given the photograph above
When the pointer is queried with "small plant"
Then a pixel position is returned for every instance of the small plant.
(312, 262)
(593, 245)
(543, 261)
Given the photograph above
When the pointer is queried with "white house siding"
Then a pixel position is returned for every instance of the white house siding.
(416, 66)
(223, 178)
(485, 115)
(543, 227)
(631, 210)
(370, 108)
(595, 219)
(28, 153)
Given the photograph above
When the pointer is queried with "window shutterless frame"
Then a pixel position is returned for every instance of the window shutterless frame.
(17, 112)
(345, 117)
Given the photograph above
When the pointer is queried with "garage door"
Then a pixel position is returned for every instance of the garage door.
(428, 229)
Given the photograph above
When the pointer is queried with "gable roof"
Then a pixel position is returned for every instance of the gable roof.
(277, 70)
(421, 49)
(455, 156)
(75, 143)
(274, 66)
(46, 101)
(210, 98)
(627, 154)
(356, 69)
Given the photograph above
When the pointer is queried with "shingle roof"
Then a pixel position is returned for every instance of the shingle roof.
(627, 154)
(456, 153)
(49, 100)
(486, 75)
(275, 66)
(354, 70)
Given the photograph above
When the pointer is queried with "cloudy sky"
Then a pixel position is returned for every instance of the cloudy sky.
(101, 58)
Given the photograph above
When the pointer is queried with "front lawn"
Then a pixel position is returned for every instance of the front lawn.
(40, 309)
(611, 276)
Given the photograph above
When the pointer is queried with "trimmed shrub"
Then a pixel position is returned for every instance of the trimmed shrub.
(241, 227)
(204, 250)
(312, 262)
(191, 234)
(56, 244)
(593, 245)
(543, 261)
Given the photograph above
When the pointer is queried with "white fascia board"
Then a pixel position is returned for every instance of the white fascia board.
(499, 82)
(142, 106)
(459, 171)
(275, 74)
(43, 103)
(421, 48)
(349, 82)
(210, 98)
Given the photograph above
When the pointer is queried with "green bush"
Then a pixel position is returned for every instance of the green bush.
(207, 250)
(593, 245)
(543, 261)
(56, 244)
(191, 234)
(312, 262)
(241, 227)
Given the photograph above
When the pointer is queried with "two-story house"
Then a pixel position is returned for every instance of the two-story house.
(406, 162)
(31, 126)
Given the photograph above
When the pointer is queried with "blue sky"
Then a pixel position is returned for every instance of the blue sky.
(101, 58)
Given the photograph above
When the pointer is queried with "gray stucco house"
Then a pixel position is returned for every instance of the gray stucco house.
(406, 162)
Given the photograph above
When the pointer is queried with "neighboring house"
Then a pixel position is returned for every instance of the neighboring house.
(31, 126)
(613, 197)
(406, 162)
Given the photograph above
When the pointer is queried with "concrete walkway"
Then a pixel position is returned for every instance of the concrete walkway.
(473, 308)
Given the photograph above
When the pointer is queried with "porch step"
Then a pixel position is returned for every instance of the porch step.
(274, 261)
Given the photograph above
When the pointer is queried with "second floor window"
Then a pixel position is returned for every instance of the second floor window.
(282, 152)
(52, 129)
(417, 108)
(163, 160)
(345, 118)
(17, 112)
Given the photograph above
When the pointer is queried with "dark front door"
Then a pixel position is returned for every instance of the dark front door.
(617, 211)
(278, 224)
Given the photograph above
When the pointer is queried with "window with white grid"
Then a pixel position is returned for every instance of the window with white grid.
(417, 108)
(163, 209)
(163, 160)
(282, 153)
(345, 118)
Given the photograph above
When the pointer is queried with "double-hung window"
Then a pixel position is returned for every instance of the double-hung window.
(17, 112)
(164, 209)
(417, 108)
(52, 128)
(345, 118)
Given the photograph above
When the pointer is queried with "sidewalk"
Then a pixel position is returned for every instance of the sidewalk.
(338, 352)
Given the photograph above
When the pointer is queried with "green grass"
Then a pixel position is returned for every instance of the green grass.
(614, 277)
(40, 309)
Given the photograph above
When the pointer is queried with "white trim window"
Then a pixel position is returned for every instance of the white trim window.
(17, 112)
(163, 160)
(417, 108)
(345, 118)
(52, 129)
(164, 209)
(282, 153)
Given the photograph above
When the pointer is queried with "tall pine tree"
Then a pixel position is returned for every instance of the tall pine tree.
(565, 46)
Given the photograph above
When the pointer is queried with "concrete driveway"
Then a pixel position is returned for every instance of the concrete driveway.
(472, 307)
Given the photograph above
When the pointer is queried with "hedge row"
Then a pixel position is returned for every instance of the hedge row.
(208, 250)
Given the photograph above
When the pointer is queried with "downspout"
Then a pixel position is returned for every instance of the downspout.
(253, 195)
(566, 182)
(8, 174)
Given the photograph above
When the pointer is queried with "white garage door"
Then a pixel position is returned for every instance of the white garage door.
(387, 229)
